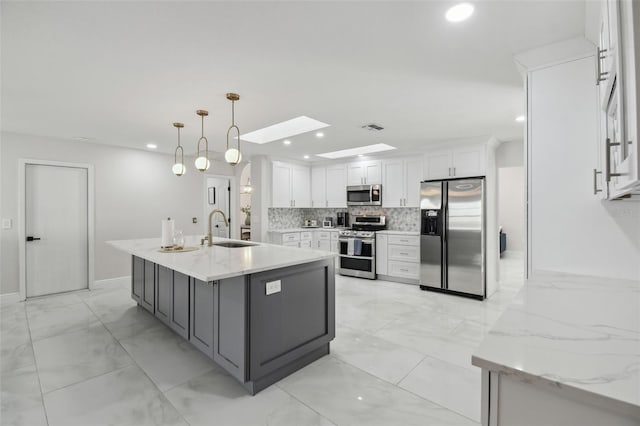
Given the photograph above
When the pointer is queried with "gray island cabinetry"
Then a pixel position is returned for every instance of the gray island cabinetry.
(260, 325)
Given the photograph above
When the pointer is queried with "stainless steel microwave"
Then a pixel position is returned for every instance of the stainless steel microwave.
(364, 195)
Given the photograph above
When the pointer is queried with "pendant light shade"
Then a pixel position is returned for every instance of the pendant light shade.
(202, 158)
(233, 155)
(178, 161)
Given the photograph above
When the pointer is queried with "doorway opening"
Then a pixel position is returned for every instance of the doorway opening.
(56, 230)
(218, 196)
(246, 189)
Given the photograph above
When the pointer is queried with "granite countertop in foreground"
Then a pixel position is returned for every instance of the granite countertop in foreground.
(580, 334)
(216, 263)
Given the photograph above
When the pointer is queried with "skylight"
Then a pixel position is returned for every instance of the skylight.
(286, 129)
(352, 152)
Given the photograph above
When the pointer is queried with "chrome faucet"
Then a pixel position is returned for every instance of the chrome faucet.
(226, 222)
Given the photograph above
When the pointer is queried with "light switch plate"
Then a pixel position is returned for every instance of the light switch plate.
(273, 287)
(6, 223)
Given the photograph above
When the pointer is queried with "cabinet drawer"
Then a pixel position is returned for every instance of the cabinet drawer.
(404, 240)
(305, 236)
(403, 253)
(291, 244)
(294, 236)
(403, 269)
(305, 244)
(324, 235)
(334, 236)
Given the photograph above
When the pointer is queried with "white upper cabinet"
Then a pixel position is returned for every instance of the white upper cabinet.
(329, 186)
(337, 186)
(457, 162)
(291, 185)
(401, 182)
(364, 173)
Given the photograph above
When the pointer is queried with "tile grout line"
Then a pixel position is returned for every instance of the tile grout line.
(277, 384)
(35, 364)
(136, 364)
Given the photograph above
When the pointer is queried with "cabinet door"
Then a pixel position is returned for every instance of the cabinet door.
(355, 174)
(180, 308)
(318, 187)
(230, 326)
(301, 186)
(164, 294)
(324, 245)
(468, 161)
(148, 290)
(438, 164)
(137, 278)
(604, 51)
(381, 254)
(337, 186)
(393, 185)
(201, 307)
(281, 189)
(413, 176)
(373, 172)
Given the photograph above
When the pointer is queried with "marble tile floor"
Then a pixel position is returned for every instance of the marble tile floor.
(401, 357)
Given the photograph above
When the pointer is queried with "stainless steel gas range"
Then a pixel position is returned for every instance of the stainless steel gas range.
(358, 247)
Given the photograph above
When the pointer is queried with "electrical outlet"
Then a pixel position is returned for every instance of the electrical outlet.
(273, 287)
(6, 223)
(195, 220)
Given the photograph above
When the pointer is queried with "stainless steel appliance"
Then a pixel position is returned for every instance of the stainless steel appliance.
(452, 236)
(360, 263)
(364, 195)
(342, 220)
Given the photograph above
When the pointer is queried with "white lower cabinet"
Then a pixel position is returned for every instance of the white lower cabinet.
(326, 240)
(305, 244)
(398, 255)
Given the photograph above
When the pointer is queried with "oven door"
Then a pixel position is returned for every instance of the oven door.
(362, 265)
(359, 195)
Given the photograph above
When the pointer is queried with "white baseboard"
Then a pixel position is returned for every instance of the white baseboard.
(10, 298)
(112, 282)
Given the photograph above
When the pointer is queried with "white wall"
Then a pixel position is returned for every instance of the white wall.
(571, 230)
(510, 154)
(511, 205)
(134, 190)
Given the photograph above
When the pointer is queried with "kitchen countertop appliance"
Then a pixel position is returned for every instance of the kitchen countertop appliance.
(364, 195)
(358, 247)
(342, 220)
(452, 236)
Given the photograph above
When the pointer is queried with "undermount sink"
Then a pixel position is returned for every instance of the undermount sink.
(233, 244)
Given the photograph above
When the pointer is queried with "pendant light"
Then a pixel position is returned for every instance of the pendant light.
(247, 188)
(202, 161)
(233, 156)
(178, 164)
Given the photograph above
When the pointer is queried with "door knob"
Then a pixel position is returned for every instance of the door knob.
(33, 239)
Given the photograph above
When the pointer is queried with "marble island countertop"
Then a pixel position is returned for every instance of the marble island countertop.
(216, 262)
(305, 229)
(580, 334)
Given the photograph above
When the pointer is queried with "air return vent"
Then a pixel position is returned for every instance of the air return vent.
(373, 127)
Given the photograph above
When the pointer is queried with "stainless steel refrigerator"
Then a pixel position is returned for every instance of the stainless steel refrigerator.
(452, 236)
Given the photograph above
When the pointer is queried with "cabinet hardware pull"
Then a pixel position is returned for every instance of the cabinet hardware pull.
(607, 160)
(599, 73)
(595, 182)
(454, 171)
(449, 171)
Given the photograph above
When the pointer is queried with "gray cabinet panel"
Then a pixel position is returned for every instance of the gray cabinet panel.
(180, 306)
(230, 326)
(291, 322)
(148, 288)
(201, 307)
(137, 278)
(164, 294)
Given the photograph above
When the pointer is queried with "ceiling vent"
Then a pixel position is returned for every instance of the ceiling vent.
(373, 127)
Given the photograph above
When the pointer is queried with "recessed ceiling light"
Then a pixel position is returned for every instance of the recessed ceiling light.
(80, 139)
(319, 135)
(368, 149)
(306, 157)
(286, 129)
(520, 118)
(286, 142)
(152, 146)
(360, 155)
(459, 12)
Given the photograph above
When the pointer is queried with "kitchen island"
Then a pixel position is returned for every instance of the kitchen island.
(566, 352)
(260, 311)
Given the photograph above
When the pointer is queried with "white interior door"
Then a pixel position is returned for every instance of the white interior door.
(56, 219)
(218, 197)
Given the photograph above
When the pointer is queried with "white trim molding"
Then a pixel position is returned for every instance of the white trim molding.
(22, 165)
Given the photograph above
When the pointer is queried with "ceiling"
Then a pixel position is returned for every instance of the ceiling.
(121, 72)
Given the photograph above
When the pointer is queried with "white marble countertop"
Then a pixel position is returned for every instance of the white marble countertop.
(216, 263)
(581, 334)
(387, 231)
(286, 230)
